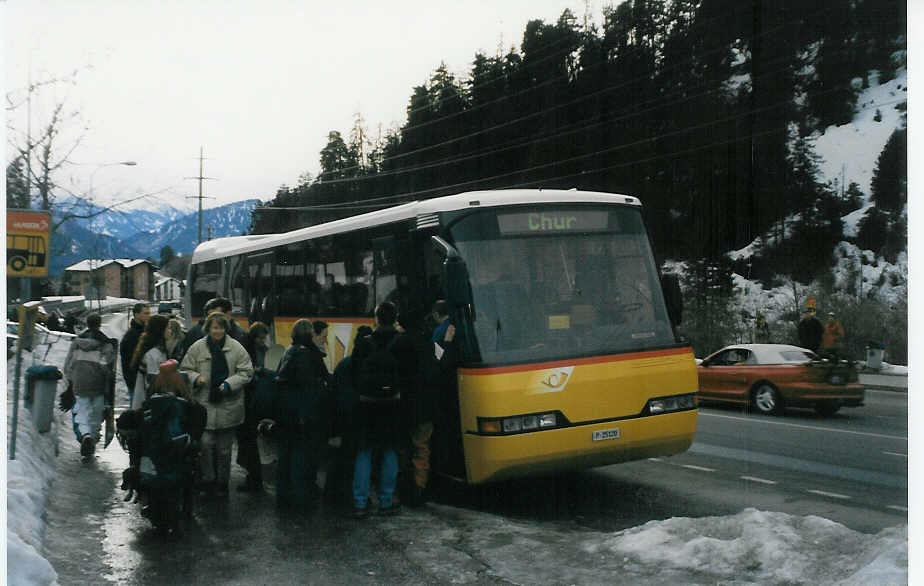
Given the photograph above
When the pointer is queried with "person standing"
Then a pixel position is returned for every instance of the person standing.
(219, 367)
(810, 330)
(173, 340)
(832, 341)
(377, 425)
(248, 456)
(150, 352)
(300, 422)
(90, 368)
(140, 315)
(337, 489)
(761, 330)
(217, 304)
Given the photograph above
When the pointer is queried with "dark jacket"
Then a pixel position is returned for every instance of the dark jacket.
(127, 349)
(810, 332)
(301, 386)
(382, 424)
(423, 394)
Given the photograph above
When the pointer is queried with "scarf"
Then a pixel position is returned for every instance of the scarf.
(219, 364)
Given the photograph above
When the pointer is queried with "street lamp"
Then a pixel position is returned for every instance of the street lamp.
(90, 191)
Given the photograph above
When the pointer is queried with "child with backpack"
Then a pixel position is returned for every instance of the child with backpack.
(163, 437)
(378, 414)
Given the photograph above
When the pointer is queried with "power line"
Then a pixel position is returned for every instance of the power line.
(361, 204)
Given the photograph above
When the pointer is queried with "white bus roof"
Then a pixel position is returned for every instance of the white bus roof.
(224, 247)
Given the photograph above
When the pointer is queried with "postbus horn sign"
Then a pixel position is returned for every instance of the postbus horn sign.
(28, 235)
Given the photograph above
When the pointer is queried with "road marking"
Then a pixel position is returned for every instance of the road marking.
(895, 454)
(830, 494)
(654, 459)
(816, 428)
(701, 468)
(755, 479)
(897, 508)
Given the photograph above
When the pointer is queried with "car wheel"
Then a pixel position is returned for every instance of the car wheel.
(767, 400)
(827, 409)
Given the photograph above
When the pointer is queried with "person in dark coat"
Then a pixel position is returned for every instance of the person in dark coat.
(248, 456)
(378, 422)
(223, 305)
(344, 399)
(420, 401)
(810, 331)
(140, 314)
(299, 423)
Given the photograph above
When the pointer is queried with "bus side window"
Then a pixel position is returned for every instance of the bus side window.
(237, 284)
(205, 281)
(384, 268)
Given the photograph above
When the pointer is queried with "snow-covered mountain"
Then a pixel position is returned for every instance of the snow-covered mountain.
(122, 221)
(181, 234)
(97, 232)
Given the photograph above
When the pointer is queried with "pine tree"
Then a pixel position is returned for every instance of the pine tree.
(889, 187)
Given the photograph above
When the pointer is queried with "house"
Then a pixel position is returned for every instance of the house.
(168, 289)
(121, 277)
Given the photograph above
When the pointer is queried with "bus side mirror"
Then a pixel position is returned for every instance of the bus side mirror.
(455, 275)
(670, 285)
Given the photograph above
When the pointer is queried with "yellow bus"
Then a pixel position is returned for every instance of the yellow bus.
(569, 356)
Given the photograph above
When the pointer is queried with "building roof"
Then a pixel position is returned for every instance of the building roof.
(91, 264)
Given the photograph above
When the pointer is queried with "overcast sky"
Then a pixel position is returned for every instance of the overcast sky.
(258, 84)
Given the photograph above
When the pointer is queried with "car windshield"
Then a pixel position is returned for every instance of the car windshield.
(561, 283)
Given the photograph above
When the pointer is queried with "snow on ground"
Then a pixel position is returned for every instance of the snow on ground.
(751, 547)
(854, 148)
(110, 303)
(30, 475)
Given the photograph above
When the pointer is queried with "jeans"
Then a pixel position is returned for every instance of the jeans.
(87, 416)
(362, 470)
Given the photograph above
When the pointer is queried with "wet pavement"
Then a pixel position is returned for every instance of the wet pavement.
(93, 537)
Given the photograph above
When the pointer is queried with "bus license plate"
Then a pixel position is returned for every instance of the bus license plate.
(606, 434)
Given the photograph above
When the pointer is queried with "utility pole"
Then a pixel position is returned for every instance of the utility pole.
(200, 177)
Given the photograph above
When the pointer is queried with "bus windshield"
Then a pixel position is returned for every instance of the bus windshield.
(558, 283)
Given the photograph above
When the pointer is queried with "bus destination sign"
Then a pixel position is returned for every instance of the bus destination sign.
(553, 222)
(27, 242)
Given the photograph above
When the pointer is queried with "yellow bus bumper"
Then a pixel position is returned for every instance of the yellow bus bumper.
(493, 458)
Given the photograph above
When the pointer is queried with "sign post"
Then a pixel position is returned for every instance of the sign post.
(27, 313)
(28, 240)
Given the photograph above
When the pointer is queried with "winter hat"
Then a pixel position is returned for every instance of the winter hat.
(169, 380)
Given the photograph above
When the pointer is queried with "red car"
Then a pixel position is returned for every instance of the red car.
(770, 377)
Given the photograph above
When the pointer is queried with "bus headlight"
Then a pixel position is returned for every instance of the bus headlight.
(517, 424)
(672, 403)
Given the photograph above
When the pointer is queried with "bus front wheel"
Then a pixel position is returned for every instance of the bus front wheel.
(17, 263)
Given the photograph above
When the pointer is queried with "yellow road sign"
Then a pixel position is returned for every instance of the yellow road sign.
(28, 240)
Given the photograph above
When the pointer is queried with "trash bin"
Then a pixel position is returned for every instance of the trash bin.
(41, 390)
(874, 352)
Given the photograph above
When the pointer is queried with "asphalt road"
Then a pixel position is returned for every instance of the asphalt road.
(851, 468)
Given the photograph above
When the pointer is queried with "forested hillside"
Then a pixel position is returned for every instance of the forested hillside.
(704, 109)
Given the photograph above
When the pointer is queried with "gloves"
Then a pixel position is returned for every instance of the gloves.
(218, 393)
(67, 399)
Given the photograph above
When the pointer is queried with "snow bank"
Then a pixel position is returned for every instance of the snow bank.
(762, 547)
(29, 477)
(752, 547)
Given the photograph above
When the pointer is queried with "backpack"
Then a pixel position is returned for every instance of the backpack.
(170, 432)
(379, 378)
